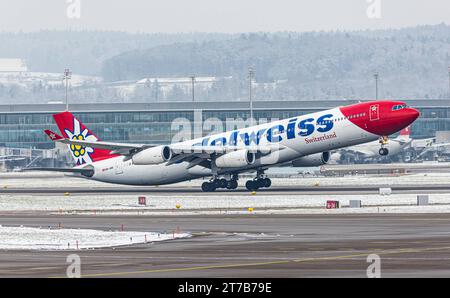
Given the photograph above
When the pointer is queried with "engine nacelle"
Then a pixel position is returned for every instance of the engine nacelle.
(312, 160)
(152, 156)
(236, 159)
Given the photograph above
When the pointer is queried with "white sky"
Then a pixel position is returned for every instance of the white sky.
(219, 15)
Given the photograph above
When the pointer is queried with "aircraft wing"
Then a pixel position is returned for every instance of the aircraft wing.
(432, 146)
(12, 157)
(358, 151)
(437, 145)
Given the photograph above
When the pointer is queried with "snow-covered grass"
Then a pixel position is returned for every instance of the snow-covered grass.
(162, 203)
(219, 201)
(20, 238)
(299, 211)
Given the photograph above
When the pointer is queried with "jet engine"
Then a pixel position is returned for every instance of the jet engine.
(152, 156)
(312, 160)
(236, 159)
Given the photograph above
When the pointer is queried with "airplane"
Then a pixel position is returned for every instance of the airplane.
(373, 149)
(430, 145)
(301, 141)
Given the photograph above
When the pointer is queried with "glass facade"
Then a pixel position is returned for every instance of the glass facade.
(25, 129)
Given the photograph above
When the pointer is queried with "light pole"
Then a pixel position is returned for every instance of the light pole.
(251, 74)
(67, 77)
(449, 82)
(193, 87)
(376, 75)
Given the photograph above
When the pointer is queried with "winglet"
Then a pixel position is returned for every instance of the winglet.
(53, 135)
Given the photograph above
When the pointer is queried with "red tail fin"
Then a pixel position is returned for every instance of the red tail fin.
(71, 128)
(406, 131)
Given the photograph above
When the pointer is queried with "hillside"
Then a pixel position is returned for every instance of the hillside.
(411, 62)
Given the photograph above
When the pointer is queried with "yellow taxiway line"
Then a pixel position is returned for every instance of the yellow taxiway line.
(241, 265)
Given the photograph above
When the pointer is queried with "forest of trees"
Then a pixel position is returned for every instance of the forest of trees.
(83, 51)
(411, 63)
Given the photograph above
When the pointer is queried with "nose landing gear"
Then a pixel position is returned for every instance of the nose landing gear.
(383, 151)
(383, 141)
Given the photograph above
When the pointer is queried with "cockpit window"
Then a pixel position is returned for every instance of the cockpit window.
(398, 107)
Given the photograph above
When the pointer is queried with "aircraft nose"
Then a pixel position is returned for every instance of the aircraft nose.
(393, 122)
(410, 115)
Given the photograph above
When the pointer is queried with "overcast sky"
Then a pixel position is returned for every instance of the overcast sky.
(219, 15)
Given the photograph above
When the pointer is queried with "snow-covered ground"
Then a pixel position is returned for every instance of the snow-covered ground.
(229, 202)
(102, 204)
(299, 211)
(19, 238)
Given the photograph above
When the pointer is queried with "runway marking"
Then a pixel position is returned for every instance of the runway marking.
(179, 269)
(302, 260)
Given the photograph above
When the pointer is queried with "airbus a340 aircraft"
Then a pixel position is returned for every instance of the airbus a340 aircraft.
(300, 141)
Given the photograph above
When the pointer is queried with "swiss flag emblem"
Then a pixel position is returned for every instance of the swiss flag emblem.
(374, 112)
(53, 136)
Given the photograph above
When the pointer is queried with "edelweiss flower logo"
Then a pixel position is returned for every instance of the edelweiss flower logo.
(80, 153)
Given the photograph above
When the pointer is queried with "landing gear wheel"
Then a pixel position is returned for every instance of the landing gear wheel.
(251, 185)
(223, 183)
(209, 186)
(206, 186)
(232, 184)
(267, 182)
(260, 183)
(215, 183)
(383, 151)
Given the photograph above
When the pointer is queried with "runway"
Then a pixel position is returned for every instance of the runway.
(261, 243)
(413, 245)
(274, 190)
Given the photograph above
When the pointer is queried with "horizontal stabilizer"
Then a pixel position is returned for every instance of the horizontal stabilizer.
(88, 172)
(53, 135)
(116, 148)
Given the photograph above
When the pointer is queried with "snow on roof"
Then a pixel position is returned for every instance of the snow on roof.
(12, 65)
(180, 80)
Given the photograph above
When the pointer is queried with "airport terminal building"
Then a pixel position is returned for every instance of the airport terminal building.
(22, 125)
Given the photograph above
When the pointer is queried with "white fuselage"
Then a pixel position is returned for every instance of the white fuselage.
(296, 139)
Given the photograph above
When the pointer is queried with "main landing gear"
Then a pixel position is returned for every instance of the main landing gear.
(383, 141)
(216, 183)
(261, 181)
(257, 183)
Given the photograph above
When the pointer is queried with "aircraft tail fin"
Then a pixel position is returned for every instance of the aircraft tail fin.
(72, 128)
(405, 134)
(406, 131)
